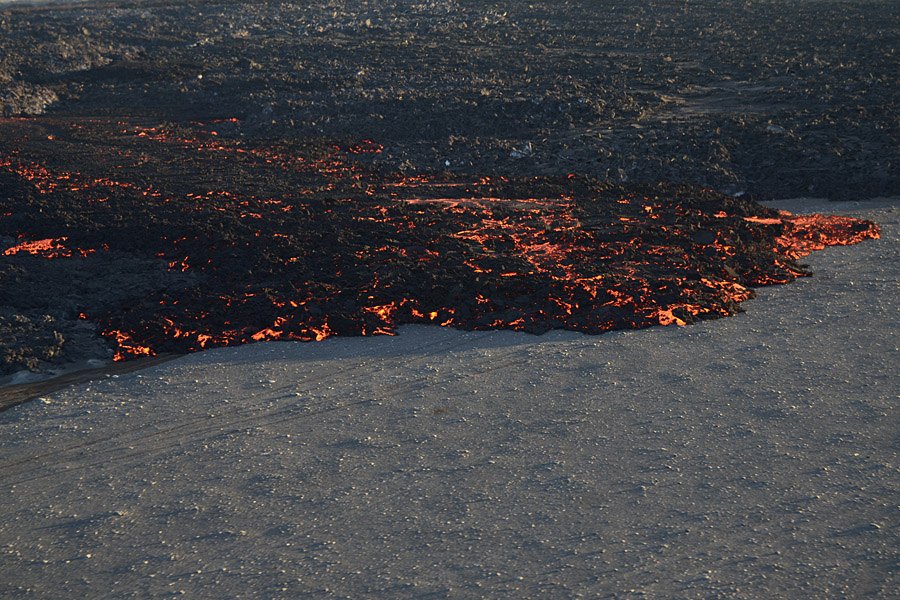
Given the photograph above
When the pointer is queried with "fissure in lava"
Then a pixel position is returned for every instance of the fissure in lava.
(286, 239)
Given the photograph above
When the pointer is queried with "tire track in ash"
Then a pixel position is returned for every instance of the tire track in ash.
(242, 417)
(250, 409)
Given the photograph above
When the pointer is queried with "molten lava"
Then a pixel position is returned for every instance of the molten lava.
(48, 248)
(297, 240)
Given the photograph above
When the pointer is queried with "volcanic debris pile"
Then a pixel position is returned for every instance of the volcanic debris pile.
(172, 240)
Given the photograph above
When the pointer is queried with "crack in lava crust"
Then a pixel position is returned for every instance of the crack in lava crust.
(296, 239)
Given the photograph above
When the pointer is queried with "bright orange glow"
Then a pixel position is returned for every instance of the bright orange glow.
(49, 248)
(385, 311)
(128, 347)
(667, 318)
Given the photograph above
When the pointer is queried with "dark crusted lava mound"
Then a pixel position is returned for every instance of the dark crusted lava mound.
(173, 240)
(179, 175)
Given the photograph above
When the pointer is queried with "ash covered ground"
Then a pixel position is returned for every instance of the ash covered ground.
(761, 99)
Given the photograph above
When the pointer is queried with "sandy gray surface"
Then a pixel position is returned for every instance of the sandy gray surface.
(750, 457)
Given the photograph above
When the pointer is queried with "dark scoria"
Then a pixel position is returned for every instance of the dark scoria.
(227, 242)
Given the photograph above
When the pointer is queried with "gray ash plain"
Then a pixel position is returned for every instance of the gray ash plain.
(767, 99)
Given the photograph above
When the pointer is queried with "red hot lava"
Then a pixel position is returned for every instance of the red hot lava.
(47, 248)
(291, 240)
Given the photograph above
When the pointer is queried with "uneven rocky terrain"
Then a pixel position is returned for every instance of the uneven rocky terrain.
(779, 99)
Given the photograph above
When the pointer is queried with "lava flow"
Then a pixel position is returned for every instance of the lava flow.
(295, 240)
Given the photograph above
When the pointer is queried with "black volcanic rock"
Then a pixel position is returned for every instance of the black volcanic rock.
(775, 99)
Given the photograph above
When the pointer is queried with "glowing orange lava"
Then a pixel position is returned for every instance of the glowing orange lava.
(291, 245)
(49, 248)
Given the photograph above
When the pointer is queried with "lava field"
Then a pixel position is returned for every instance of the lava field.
(775, 99)
(178, 176)
(171, 239)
